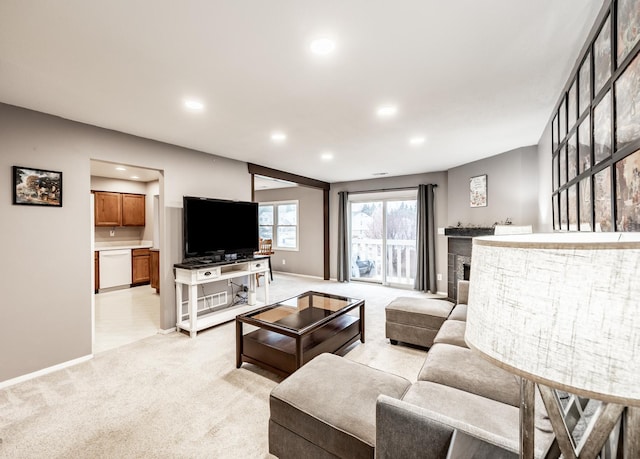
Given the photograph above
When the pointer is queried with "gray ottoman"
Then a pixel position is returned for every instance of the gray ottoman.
(327, 408)
(415, 320)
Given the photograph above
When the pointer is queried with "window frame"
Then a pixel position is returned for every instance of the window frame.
(274, 226)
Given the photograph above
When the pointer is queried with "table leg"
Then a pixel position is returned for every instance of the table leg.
(238, 344)
(298, 351)
(251, 294)
(178, 305)
(193, 310)
(632, 432)
(362, 322)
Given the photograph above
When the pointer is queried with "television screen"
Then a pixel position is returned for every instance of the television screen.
(219, 227)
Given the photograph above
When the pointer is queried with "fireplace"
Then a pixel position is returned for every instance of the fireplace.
(459, 256)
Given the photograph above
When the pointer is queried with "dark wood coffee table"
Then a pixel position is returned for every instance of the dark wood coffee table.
(294, 331)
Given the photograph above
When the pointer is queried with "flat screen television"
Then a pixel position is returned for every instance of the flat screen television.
(219, 229)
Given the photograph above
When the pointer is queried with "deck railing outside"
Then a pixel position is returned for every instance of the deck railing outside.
(366, 256)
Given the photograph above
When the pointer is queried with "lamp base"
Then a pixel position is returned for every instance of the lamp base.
(604, 422)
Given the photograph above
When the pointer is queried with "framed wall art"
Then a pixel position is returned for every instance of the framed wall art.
(572, 105)
(628, 27)
(597, 158)
(603, 220)
(602, 56)
(627, 92)
(564, 217)
(584, 82)
(573, 208)
(628, 193)
(478, 191)
(585, 205)
(37, 187)
(584, 146)
(572, 157)
(602, 129)
(562, 120)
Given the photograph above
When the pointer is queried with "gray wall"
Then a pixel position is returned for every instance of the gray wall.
(545, 185)
(512, 189)
(308, 260)
(46, 306)
(438, 178)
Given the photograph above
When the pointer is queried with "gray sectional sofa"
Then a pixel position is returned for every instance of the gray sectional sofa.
(460, 406)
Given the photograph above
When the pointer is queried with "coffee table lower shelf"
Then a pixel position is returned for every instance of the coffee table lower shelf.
(278, 352)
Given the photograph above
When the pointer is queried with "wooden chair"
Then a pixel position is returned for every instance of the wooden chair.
(265, 248)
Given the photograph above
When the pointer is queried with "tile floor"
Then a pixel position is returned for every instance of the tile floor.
(124, 316)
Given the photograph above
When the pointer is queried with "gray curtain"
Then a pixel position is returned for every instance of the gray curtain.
(426, 241)
(344, 265)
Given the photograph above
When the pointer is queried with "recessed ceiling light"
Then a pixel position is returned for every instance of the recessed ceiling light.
(416, 140)
(135, 177)
(326, 156)
(387, 111)
(322, 46)
(380, 173)
(278, 137)
(193, 104)
(120, 168)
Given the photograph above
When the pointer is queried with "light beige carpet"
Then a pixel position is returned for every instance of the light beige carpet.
(169, 396)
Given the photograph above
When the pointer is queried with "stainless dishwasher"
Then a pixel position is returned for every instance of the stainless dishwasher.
(115, 268)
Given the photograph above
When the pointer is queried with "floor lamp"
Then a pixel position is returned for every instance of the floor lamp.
(562, 311)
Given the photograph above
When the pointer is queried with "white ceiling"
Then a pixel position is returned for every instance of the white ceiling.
(476, 78)
(123, 172)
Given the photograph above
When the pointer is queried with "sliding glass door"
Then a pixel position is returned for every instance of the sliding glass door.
(400, 242)
(366, 241)
(383, 240)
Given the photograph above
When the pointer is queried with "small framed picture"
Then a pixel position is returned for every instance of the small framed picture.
(37, 187)
(478, 191)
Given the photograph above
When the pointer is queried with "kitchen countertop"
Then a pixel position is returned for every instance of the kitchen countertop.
(122, 245)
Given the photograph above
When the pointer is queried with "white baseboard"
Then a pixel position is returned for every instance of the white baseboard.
(44, 371)
(299, 275)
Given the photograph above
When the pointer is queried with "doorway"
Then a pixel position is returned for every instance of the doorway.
(383, 238)
(127, 312)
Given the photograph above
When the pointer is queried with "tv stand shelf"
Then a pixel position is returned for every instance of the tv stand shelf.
(193, 275)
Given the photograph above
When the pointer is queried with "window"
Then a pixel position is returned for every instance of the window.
(278, 221)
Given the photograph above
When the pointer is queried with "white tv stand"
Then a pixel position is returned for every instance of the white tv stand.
(215, 272)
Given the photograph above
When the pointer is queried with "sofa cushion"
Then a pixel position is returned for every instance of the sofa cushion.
(452, 332)
(466, 370)
(419, 312)
(463, 292)
(331, 402)
(459, 313)
(484, 418)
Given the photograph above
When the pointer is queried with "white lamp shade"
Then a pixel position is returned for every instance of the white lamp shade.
(560, 309)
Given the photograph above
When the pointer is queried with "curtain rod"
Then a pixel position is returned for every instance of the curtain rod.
(387, 189)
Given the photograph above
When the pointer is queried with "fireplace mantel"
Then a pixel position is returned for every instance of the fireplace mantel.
(457, 231)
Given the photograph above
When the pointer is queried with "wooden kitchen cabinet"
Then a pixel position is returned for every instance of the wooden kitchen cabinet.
(119, 209)
(154, 273)
(133, 209)
(139, 266)
(108, 208)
